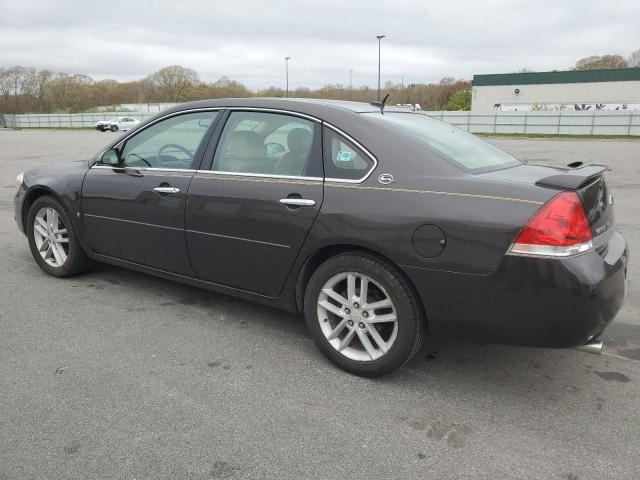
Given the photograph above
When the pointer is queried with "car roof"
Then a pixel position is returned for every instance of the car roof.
(319, 107)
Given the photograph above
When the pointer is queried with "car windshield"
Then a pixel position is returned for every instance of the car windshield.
(455, 145)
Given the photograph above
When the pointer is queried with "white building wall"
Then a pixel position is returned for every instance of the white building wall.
(485, 97)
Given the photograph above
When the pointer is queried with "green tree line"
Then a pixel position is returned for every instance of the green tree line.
(28, 90)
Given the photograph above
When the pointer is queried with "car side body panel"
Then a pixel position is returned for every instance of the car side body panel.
(529, 301)
(124, 217)
(63, 181)
(239, 234)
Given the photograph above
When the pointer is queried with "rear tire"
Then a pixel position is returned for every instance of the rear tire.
(53, 241)
(114, 128)
(368, 335)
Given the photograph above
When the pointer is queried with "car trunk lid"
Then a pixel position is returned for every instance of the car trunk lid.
(586, 180)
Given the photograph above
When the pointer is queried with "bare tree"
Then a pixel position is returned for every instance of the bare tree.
(42, 80)
(5, 90)
(634, 59)
(597, 62)
(26, 89)
(173, 82)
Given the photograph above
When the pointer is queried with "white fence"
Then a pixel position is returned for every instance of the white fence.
(66, 120)
(601, 122)
(546, 123)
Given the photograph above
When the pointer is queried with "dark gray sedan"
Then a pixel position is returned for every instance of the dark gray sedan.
(382, 226)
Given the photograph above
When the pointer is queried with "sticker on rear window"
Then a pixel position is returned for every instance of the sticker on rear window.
(343, 156)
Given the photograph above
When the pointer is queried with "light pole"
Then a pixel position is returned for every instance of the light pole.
(350, 84)
(379, 37)
(286, 69)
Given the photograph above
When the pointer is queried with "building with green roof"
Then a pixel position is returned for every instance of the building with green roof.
(584, 90)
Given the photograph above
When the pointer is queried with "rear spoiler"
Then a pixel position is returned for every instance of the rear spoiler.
(574, 177)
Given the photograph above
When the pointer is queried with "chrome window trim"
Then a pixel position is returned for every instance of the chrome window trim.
(254, 109)
(145, 169)
(361, 147)
(164, 117)
(258, 175)
(265, 175)
(275, 110)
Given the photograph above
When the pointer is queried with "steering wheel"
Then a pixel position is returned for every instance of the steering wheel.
(177, 147)
(138, 156)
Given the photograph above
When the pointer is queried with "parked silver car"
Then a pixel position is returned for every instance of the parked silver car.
(117, 123)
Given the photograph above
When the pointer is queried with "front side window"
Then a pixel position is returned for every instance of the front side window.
(268, 144)
(342, 159)
(170, 143)
(453, 144)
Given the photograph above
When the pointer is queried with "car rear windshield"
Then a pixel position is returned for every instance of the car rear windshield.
(455, 145)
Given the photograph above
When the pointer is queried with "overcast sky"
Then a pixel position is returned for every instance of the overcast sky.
(247, 40)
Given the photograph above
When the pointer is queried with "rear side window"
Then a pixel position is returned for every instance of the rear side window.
(269, 144)
(342, 159)
(453, 144)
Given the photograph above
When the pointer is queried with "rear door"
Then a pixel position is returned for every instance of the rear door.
(136, 213)
(252, 204)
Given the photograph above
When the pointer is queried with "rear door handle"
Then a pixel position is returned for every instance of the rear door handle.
(166, 190)
(298, 202)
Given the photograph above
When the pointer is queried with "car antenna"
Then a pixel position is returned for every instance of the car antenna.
(381, 104)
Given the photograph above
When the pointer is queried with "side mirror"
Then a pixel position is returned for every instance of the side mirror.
(112, 157)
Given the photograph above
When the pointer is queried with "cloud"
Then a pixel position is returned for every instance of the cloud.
(247, 40)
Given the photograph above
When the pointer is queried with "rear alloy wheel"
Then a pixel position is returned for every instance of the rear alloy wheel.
(363, 314)
(53, 241)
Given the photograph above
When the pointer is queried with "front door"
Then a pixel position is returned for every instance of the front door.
(136, 213)
(251, 207)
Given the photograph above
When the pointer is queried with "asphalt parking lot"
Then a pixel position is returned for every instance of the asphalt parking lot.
(115, 374)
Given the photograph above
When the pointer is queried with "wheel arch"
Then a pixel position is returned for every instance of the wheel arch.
(318, 257)
(31, 196)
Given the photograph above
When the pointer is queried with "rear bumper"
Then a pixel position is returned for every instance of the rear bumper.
(545, 302)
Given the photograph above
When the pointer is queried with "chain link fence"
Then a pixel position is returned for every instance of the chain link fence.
(544, 123)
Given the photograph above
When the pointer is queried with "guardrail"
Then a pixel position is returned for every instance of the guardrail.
(599, 122)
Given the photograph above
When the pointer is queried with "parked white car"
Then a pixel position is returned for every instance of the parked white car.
(117, 123)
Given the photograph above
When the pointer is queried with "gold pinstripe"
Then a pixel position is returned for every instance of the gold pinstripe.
(435, 192)
(382, 189)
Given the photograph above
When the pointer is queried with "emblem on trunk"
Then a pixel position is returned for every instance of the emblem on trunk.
(385, 178)
(603, 228)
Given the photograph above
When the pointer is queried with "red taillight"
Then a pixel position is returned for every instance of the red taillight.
(560, 228)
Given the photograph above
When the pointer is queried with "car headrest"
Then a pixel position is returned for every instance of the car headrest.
(299, 140)
(246, 145)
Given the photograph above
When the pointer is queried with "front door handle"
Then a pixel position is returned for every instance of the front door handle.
(166, 190)
(298, 202)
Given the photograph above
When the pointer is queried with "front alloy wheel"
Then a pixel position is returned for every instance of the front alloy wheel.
(363, 314)
(50, 236)
(53, 240)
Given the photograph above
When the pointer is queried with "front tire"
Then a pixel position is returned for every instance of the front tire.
(363, 314)
(53, 241)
